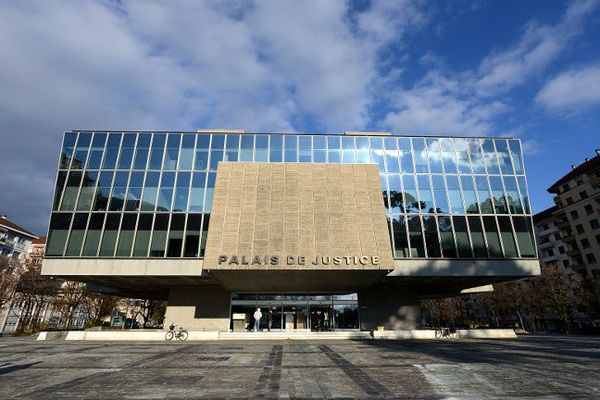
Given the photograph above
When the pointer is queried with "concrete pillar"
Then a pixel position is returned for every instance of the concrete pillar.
(393, 307)
(199, 308)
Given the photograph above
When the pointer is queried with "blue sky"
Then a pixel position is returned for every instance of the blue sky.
(526, 69)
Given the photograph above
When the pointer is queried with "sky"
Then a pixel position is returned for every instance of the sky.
(524, 69)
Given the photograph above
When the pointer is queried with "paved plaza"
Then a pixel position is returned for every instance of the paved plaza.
(529, 367)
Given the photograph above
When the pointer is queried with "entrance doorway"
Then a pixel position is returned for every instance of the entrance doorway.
(314, 312)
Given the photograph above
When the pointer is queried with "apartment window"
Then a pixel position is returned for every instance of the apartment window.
(550, 252)
(598, 239)
(557, 236)
(574, 214)
(569, 200)
(545, 227)
(565, 187)
(579, 182)
(594, 223)
(580, 227)
(583, 194)
(566, 264)
(585, 244)
(590, 258)
(589, 209)
(561, 249)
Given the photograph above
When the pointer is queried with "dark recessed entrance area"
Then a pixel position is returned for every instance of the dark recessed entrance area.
(308, 312)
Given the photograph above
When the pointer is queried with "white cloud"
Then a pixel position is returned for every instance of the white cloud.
(572, 90)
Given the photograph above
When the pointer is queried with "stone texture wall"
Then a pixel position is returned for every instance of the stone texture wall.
(263, 211)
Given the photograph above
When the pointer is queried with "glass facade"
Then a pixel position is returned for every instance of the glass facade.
(143, 194)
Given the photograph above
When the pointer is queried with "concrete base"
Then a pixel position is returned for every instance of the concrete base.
(391, 307)
(199, 308)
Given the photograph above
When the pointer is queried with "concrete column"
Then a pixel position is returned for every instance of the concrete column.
(199, 308)
(393, 307)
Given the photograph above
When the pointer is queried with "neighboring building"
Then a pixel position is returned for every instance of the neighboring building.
(14, 240)
(37, 250)
(551, 248)
(577, 217)
(327, 231)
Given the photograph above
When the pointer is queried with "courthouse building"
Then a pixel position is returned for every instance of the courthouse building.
(322, 231)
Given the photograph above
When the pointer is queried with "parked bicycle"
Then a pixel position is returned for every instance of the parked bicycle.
(441, 333)
(180, 334)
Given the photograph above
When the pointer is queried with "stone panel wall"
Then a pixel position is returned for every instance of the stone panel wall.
(298, 216)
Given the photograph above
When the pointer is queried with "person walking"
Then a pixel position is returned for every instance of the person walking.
(257, 317)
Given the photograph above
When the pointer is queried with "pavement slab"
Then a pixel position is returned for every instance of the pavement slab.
(545, 367)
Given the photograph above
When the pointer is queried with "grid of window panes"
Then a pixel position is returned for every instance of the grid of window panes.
(143, 194)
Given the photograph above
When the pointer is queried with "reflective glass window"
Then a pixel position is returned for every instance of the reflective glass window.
(406, 162)
(305, 146)
(377, 152)
(276, 146)
(96, 150)
(512, 195)
(446, 237)
(508, 239)
(462, 156)
(186, 157)
(109, 236)
(492, 237)
(415, 234)
(524, 232)
(57, 234)
(485, 196)
(159, 235)
(468, 190)
(425, 196)
(119, 191)
(395, 190)
(348, 152)
(134, 194)
(197, 193)
(61, 179)
(411, 202)
(498, 191)
(489, 156)
(92, 237)
(232, 146)
(435, 156)
(67, 150)
(103, 190)
(158, 148)
(210, 188)
(392, 160)
(319, 149)
(516, 155)
(182, 191)
(216, 151)
(112, 150)
(384, 189)
(192, 235)
(172, 153)
(463, 244)
(165, 194)
(76, 236)
(71, 191)
(205, 222)
(142, 235)
(439, 194)
(202, 152)
(404, 144)
(431, 236)
(126, 235)
(261, 154)
(87, 191)
(401, 248)
(333, 149)
(455, 195)
(247, 148)
(362, 150)
(476, 156)
(141, 151)
(419, 154)
(150, 191)
(291, 148)
(127, 148)
(449, 157)
(81, 152)
(175, 242)
(524, 194)
(504, 157)
(479, 247)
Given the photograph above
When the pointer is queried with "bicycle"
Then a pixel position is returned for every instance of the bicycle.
(181, 334)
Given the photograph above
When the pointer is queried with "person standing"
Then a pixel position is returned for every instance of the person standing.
(257, 317)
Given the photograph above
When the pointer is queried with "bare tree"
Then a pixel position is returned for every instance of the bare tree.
(70, 297)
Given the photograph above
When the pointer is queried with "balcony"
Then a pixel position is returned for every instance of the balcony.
(595, 182)
(569, 238)
(562, 224)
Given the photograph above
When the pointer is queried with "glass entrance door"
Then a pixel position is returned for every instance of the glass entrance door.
(321, 318)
